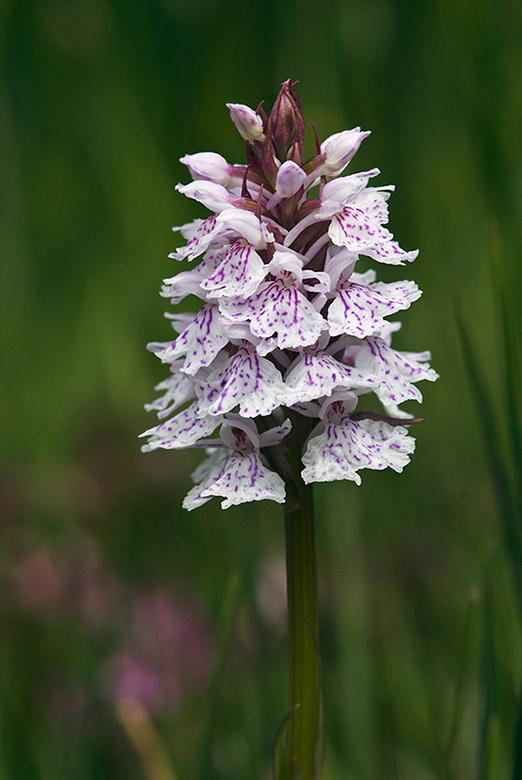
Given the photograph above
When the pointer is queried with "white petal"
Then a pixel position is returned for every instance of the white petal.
(205, 233)
(239, 274)
(212, 195)
(316, 375)
(244, 478)
(248, 123)
(181, 431)
(355, 230)
(246, 225)
(390, 253)
(200, 341)
(343, 449)
(396, 371)
(248, 380)
(209, 166)
(340, 148)
(290, 177)
(179, 389)
(284, 311)
(275, 436)
(359, 309)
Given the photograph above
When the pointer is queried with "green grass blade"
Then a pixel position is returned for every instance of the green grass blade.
(228, 612)
(499, 470)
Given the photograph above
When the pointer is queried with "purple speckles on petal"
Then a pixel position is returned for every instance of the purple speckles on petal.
(200, 341)
(242, 478)
(238, 275)
(341, 450)
(247, 380)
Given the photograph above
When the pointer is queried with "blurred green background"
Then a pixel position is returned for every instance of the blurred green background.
(138, 641)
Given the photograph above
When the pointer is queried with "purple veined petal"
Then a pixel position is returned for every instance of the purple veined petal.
(341, 450)
(204, 476)
(283, 311)
(396, 371)
(317, 374)
(373, 201)
(214, 196)
(239, 274)
(200, 240)
(181, 431)
(178, 390)
(211, 259)
(356, 231)
(200, 341)
(389, 252)
(247, 380)
(244, 478)
(358, 310)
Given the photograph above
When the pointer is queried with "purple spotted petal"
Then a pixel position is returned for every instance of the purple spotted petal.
(341, 450)
(181, 431)
(358, 310)
(239, 274)
(179, 389)
(355, 230)
(396, 371)
(280, 310)
(241, 479)
(390, 253)
(200, 341)
(246, 379)
(199, 241)
(316, 375)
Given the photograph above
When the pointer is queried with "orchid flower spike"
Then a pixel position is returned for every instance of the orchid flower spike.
(292, 322)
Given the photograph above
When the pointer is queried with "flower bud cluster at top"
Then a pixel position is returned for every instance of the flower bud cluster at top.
(288, 326)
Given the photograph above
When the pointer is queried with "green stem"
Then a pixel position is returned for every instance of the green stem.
(305, 740)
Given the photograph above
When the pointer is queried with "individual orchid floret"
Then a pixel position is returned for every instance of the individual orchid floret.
(293, 321)
(290, 178)
(210, 166)
(240, 475)
(248, 123)
(339, 150)
(347, 445)
(246, 380)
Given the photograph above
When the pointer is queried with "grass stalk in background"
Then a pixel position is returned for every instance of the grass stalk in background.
(502, 437)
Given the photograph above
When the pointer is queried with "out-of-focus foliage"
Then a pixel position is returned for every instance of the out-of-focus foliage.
(137, 641)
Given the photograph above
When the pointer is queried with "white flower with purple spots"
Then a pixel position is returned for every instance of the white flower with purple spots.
(289, 325)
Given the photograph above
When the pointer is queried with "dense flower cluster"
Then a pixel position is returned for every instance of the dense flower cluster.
(288, 326)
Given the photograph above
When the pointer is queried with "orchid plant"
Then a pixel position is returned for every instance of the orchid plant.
(269, 372)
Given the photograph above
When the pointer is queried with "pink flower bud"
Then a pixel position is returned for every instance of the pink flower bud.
(249, 124)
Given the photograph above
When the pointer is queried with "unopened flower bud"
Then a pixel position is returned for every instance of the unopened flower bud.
(339, 149)
(209, 166)
(249, 124)
(286, 124)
